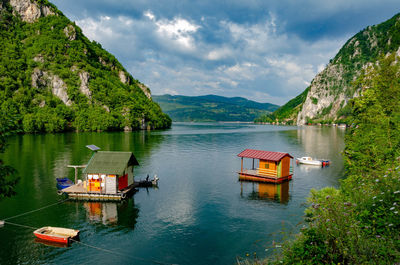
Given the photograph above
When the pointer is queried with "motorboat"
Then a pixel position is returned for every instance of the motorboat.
(56, 234)
(63, 183)
(310, 161)
(148, 182)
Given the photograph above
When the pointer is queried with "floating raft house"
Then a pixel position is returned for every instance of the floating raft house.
(273, 167)
(108, 176)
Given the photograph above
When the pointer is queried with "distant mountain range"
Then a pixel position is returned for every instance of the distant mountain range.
(212, 108)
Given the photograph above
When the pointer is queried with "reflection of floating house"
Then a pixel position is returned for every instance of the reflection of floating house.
(274, 191)
(108, 175)
(112, 213)
(104, 212)
(267, 191)
(272, 166)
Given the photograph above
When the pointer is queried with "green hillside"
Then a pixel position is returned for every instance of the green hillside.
(53, 78)
(286, 112)
(212, 108)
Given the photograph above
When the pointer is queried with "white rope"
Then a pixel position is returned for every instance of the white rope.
(44, 207)
(25, 226)
(118, 253)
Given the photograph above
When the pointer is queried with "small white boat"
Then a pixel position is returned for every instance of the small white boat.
(310, 161)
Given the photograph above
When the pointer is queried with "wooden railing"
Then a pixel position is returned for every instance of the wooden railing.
(267, 172)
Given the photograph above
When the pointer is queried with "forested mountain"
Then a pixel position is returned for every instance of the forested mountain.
(330, 91)
(53, 78)
(212, 108)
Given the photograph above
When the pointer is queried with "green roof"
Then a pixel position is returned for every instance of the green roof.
(108, 162)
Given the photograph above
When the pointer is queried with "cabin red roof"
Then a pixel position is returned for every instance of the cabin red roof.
(263, 155)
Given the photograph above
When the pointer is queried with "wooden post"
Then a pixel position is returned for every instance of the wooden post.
(241, 168)
(253, 163)
(76, 175)
(76, 171)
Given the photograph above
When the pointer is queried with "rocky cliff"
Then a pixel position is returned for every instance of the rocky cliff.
(30, 11)
(55, 79)
(331, 90)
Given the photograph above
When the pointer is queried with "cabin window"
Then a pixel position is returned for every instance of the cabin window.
(267, 165)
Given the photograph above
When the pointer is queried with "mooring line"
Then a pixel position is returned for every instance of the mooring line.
(25, 226)
(120, 254)
(44, 207)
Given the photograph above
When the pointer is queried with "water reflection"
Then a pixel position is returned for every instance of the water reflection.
(321, 141)
(51, 243)
(265, 191)
(309, 168)
(112, 213)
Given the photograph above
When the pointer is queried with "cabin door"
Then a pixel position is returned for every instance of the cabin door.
(111, 184)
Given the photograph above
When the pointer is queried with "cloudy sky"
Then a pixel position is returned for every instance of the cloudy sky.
(264, 50)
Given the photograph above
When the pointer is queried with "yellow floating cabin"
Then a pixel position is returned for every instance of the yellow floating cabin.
(274, 167)
(108, 176)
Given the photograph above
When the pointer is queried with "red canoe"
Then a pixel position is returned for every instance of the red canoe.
(56, 234)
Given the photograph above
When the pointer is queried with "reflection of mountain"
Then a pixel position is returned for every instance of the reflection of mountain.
(112, 213)
(321, 141)
(266, 191)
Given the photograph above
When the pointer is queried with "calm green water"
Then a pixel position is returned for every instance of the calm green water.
(200, 214)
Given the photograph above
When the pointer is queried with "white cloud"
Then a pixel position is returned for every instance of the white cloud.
(242, 71)
(128, 22)
(219, 53)
(178, 30)
(97, 29)
(260, 97)
(170, 91)
(149, 14)
(257, 38)
(293, 73)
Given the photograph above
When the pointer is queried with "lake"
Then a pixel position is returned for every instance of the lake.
(200, 213)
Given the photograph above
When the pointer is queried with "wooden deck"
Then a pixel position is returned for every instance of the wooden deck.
(256, 175)
(78, 192)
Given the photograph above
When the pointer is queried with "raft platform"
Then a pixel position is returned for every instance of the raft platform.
(79, 192)
(254, 175)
